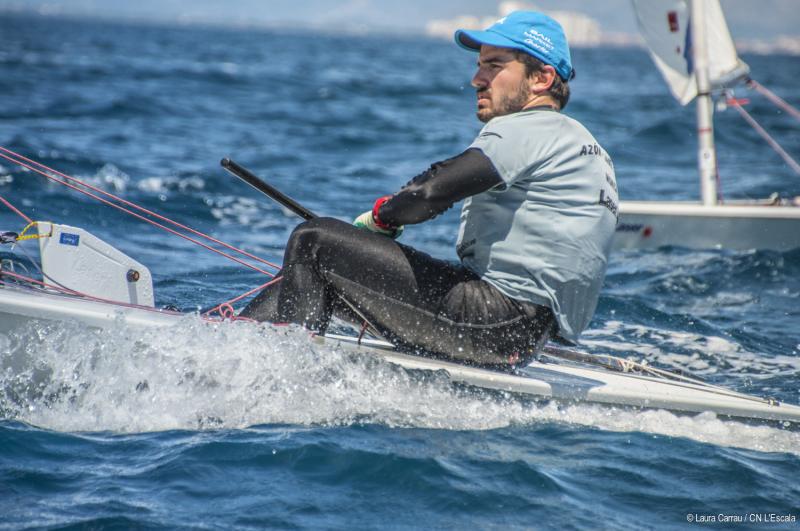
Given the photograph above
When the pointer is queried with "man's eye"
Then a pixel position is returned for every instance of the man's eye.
(492, 66)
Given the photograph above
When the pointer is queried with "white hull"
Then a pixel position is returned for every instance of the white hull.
(567, 383)
(19, 306)
(739, 226)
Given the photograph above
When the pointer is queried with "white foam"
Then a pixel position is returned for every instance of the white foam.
(238, 375)
(245, 211)
(110, 177)
(5, 176)
(166, 184)
(700, 354)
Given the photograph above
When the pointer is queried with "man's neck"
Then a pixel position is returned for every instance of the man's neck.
(541, 100)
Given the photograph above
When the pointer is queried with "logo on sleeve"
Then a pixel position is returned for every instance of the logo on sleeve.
(489, 133)
(594, 149)
(612, 182)
(609, 203)
(591, 149)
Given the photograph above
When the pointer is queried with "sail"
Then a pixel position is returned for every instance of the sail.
(665, 26)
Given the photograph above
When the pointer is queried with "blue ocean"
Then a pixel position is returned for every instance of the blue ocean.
(245, 427)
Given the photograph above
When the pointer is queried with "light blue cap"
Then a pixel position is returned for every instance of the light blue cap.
(528, 31)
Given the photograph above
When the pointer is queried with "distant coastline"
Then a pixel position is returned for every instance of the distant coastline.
(582, 31)
(585, 32)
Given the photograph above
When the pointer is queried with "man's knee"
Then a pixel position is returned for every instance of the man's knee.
(312, 234)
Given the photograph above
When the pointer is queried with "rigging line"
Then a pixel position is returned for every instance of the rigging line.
(617, 364)
(218, 307)
(134, 205)
(140, 217)
(761, 131)
(15, 209)
(367, 324)
(7, 264)
(774, 98)
(45, 276)
(37, 283)
(64, 289)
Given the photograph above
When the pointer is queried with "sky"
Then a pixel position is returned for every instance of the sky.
(774, 17)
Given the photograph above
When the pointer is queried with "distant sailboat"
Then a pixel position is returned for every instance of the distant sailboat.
(690, 44)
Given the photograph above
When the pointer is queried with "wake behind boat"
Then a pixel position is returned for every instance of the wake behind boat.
(85, 280)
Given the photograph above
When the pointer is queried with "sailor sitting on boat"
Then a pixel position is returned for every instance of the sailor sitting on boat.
(535, 234)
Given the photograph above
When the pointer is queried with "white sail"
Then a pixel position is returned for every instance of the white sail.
(665, 26)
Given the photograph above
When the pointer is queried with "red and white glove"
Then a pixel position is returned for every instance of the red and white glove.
(371, 221)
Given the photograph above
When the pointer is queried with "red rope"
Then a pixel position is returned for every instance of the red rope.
(222, 309)
(127, 203)
(225, 309)
(68, 291)
(14, 209)
(142, 218)
(227, 313)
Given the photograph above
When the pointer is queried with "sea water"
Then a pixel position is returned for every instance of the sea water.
(243, 426)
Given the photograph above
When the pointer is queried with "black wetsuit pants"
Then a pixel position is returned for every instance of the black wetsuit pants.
(415, 301)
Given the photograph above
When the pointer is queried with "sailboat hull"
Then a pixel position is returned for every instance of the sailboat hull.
(737, 226)
(20, 306)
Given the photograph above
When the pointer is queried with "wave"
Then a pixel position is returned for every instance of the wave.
(238, 375)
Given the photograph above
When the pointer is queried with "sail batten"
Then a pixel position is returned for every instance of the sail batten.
(665, 26)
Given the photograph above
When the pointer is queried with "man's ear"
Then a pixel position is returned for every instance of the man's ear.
(542, 80)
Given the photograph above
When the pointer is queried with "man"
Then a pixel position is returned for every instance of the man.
(536, 226)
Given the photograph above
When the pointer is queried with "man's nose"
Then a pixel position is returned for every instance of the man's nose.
(478, 80)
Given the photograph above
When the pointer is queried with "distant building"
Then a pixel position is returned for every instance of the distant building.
(782, 44)
(581, 30)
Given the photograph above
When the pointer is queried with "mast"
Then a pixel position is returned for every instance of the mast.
(706, 155)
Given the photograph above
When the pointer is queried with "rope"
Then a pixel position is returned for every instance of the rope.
(7, 264)
(761, 131)
(21, 248)
(7, 273)
(15, 210)
(69, 291)
(627, 365)
(22, 236)
(140, 217)
(227, 313)
(774, 98)
(225, 309)
(624, 365)
(364, 326)
(228, 304)
(6, 152)
(14, 237)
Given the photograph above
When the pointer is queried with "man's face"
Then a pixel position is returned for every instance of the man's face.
(501, 83)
